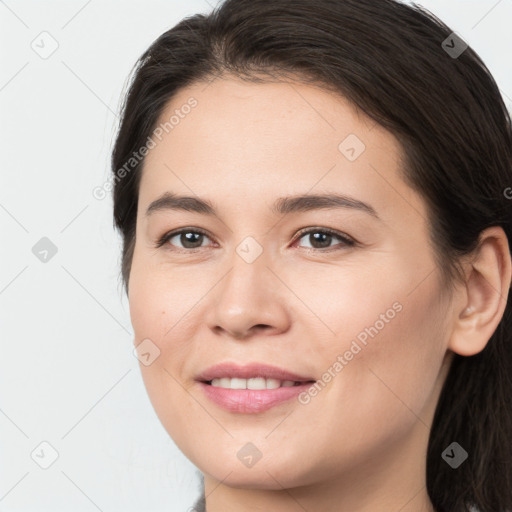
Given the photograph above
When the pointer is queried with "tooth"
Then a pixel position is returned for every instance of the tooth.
(252, 383)
(273, 383)
(256, 383)
(238, 383)
(224, 382)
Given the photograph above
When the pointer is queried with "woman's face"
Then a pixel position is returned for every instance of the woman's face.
(366, 320)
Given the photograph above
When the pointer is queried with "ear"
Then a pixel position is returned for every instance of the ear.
(483, 300)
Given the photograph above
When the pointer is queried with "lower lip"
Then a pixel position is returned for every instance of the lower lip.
(251, 400)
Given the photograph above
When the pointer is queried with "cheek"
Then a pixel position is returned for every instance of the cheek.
(155, 307)
(396, 347)
(388, 381)
(161, 309)
(157, 300)
(390, 337)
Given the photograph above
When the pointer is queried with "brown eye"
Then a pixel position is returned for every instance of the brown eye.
(322, 238)
(188, 238)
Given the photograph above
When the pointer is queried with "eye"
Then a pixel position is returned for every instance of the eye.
(189, 238)
(321, 238)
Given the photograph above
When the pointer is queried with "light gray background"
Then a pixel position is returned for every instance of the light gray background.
(67, 372)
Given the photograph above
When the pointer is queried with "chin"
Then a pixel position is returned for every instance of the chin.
(265, 474)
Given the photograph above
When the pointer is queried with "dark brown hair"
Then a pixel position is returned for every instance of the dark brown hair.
(397, 63)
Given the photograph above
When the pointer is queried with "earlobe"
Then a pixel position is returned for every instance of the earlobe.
(486, 292)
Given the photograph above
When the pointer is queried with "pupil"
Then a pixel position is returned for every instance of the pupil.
(324, 239)
(189, 238)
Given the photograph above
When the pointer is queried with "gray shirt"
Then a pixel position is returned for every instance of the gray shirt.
(200, 504)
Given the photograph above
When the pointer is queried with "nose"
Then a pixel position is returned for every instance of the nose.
(249, 300)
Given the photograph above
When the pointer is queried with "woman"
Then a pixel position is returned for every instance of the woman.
(314, 199)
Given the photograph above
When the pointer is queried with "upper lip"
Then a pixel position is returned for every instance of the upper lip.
(249, 371)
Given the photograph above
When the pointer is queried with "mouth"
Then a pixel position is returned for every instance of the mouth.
(252, 388)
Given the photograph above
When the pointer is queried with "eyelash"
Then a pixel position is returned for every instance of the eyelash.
(347, 241)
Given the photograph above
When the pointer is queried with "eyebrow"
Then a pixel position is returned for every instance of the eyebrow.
(282, 206)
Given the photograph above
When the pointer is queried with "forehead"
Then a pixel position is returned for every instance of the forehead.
(245, 141)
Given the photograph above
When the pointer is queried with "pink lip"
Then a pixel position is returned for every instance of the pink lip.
(250, 400)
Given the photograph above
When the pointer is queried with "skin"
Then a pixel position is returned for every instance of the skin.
(360, 444)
